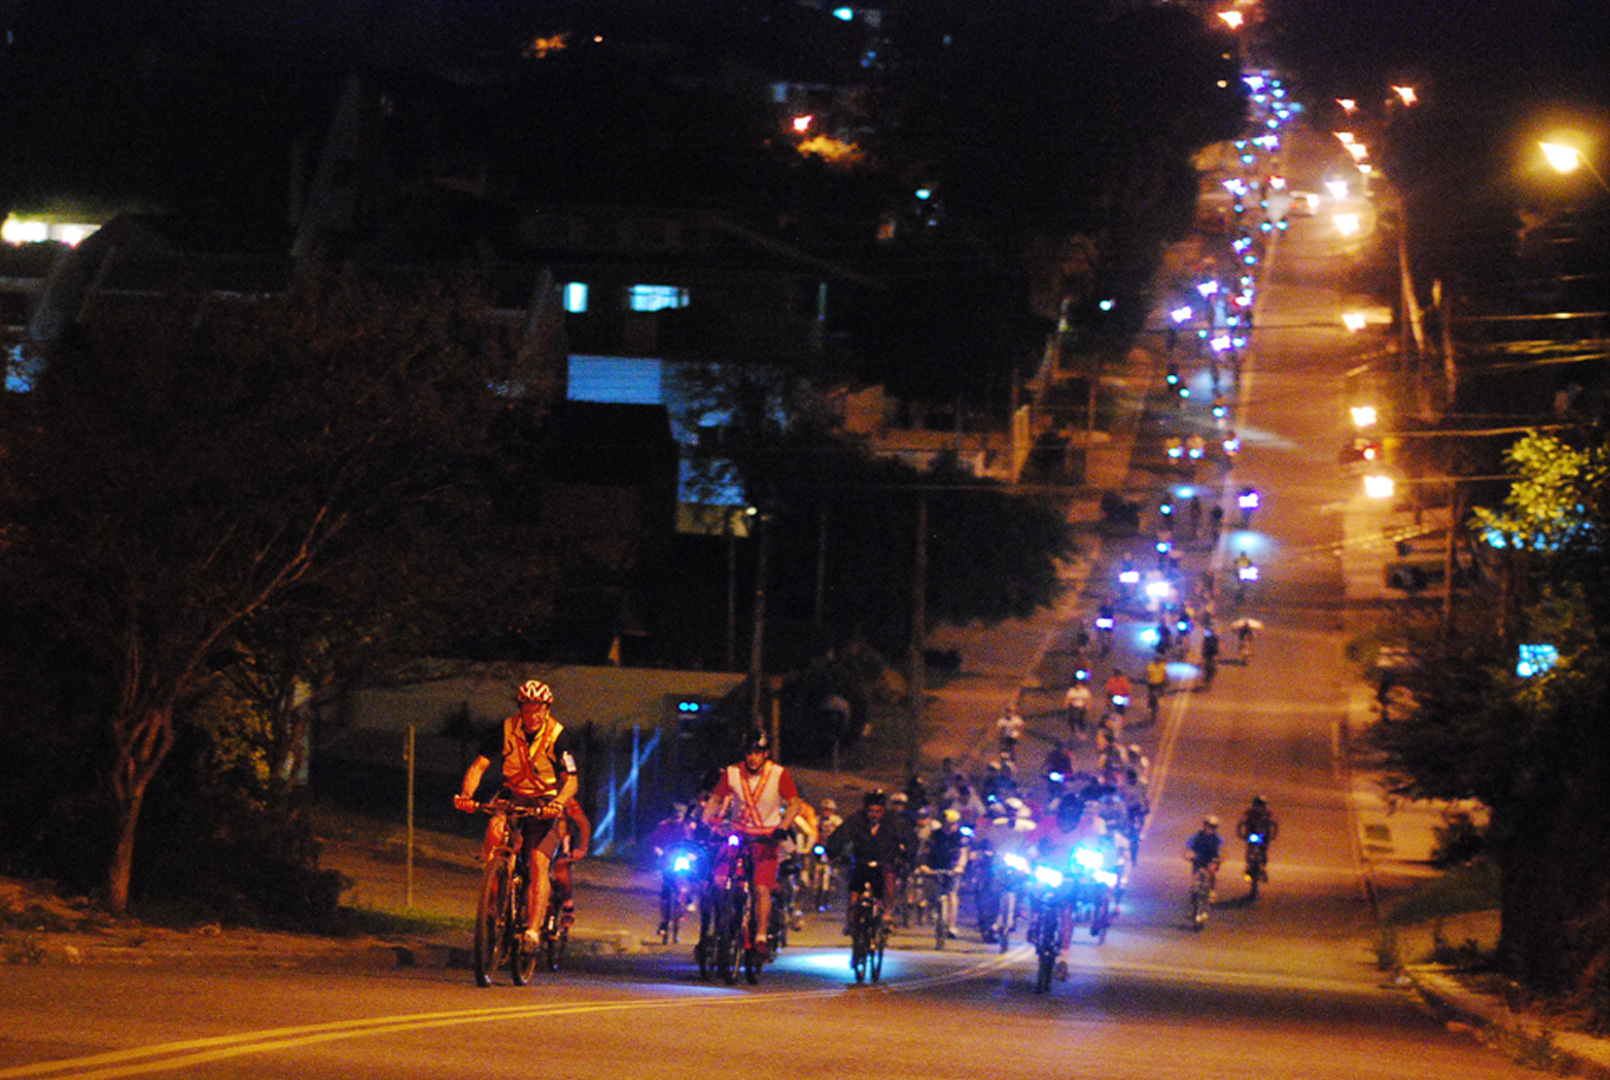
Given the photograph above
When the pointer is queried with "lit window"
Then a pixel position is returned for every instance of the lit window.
(658, 297)
(576, 296)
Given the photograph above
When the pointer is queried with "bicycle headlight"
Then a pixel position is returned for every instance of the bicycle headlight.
(1048, 877)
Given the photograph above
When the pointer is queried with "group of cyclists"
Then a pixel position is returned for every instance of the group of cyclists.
(905, 853)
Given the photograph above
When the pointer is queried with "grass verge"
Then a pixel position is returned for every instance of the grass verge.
(1461, 889)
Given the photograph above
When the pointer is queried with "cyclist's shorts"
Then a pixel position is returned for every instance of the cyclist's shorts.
(764, 853)
(541, 834)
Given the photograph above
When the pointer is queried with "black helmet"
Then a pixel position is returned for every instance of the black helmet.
(875, 797)
(756, 740)
(1257, 800)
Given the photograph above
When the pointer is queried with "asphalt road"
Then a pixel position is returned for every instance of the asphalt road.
(1284, 987)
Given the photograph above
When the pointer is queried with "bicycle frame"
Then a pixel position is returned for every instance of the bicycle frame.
(501, 916)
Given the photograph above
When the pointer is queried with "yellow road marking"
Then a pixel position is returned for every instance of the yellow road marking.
(141, 1060)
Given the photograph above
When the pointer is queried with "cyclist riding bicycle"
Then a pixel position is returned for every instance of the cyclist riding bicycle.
(877, 843)
(576, 835)
(1202, 849)
(1156, 681)
(947, 854)
(538, 762)
(681, 836)
(758, 799)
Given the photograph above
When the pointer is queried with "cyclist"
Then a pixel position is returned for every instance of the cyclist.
(672, 835)
(877, 843)
(827, 820)
(576, 835)
(1119, 690)
(1009, 730)
(1156, 681)
(821, 870)
(1074, 825)
(947, 854)
(1210, 656)
(1076, 703)
(538, 761)
(1258, 821)
(1202, 849)
(1058, 769)
(792, 852)
(759, 798)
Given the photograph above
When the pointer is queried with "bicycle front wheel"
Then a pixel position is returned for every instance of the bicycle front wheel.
(729, 940)
(880, 940)
(860, 942)
(491, 921)
(1047, 968)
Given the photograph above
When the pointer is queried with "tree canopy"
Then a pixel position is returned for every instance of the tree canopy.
(1534, 749)
(202, 481)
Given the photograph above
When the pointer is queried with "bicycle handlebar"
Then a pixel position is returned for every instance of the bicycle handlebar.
(546, 809)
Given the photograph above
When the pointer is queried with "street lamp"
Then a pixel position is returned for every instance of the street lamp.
(1567, 159)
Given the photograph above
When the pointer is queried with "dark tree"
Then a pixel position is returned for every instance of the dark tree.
(188, 476)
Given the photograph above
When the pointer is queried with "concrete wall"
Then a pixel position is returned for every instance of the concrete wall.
(608, 697)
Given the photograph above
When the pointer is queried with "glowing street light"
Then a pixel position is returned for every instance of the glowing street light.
(1363, 416)
(803, 123)
(1357, 150)
(1379, 486)
(1567, 159)
(1560, 157)
(1337, 188)
(1349, 105)
(1346, 224)
(1353, 320)
(1406, 94)
(1345, 136)
(1232, 19)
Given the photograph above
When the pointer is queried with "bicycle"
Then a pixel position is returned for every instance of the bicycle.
(731, 945)
(941, 901)
(1048, 910)
(1200, 901)
(869, 931)
(1257, 860)
(821, 878)
(683, 865)
(500, 916)
(785, 914)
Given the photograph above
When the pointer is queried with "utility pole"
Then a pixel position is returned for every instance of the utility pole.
(759, 631)
(915, 661)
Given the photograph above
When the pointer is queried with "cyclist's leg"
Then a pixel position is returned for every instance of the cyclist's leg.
(564, 885)
(764, 857)
(496, 827)
(541, 841)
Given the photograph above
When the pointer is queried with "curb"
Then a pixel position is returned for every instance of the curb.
(1523, 1038)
